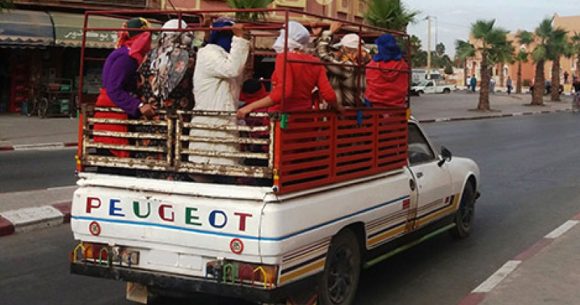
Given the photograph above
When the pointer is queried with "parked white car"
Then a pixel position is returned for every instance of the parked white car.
(431, 87)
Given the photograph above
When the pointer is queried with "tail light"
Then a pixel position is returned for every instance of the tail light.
(242, 273)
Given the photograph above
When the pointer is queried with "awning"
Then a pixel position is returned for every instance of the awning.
(68, 29)
(21, 28)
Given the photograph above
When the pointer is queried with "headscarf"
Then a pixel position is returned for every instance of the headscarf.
(221, 38)
(138, 42)
(389, 50)
(170, 59)
(298, 38)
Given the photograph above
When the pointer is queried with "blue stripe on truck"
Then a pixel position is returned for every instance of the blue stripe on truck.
(171, 227)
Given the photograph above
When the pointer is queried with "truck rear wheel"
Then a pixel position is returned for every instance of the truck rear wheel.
(339, 280)
(465, 213)
(446, 91)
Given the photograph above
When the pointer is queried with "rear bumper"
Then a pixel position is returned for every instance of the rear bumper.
(183, 285)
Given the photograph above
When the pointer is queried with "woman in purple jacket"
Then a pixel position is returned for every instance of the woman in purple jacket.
(120, 81)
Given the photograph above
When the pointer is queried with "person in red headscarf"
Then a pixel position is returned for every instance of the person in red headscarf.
(120, 80)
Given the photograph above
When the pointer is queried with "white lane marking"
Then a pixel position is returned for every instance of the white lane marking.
(559, 231)
(61, 188)
(497, 277)
(39, 146)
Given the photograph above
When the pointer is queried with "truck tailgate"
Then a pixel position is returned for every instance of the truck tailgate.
(177, 223)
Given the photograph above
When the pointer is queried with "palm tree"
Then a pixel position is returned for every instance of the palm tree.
(524, 38)
(389, 14)
(463, 51)
(247, 4)
(576, 50)
(494, 47)
(547, 44)
(559, 47)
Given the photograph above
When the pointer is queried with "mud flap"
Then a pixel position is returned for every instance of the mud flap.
(137, 293)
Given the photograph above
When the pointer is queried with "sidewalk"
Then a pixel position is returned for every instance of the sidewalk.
(460, 106)
(18, 131)
(546, 273)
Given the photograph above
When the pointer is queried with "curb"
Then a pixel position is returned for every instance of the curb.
(40, 146)
(28, 219)
(493, 116)
(477, 295)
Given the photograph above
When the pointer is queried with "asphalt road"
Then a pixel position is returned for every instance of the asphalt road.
(531, 179)
(31, 170)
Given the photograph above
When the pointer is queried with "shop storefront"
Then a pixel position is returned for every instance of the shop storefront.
(40, 53)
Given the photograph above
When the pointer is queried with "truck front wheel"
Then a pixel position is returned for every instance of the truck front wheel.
(465, 213)
(339, 280)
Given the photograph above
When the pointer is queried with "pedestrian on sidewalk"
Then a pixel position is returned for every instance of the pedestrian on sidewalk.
(492, 86)
(509, 85)
(566, 76)
(473, 83)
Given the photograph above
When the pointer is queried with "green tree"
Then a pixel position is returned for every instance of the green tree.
(248, 4)
(493, 45)
(6, 4)
(463, 51)
(576, 50)
(389, 14)
(559, 47)
(418, 56)
(547, 39)
(524, 39)
(440, 49)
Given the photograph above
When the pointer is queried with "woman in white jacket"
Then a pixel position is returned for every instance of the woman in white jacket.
(217, 81)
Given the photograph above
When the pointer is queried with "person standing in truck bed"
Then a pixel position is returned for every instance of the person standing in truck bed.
(120, 82)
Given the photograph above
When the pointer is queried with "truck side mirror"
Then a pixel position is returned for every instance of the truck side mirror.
(446, 156)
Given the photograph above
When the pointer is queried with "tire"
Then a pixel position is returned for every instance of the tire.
(446, 91)
(339, 281)
(465, 214)
(420, 92)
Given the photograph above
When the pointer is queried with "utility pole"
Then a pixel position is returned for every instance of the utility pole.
(428, 47)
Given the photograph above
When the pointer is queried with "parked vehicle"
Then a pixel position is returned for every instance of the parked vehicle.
(432, 87)
(336, 193)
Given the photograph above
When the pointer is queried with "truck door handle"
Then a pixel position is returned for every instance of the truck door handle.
(419, 175)
(412, 184)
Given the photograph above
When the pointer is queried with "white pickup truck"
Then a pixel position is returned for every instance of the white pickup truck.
(431, 87)
(169, 237)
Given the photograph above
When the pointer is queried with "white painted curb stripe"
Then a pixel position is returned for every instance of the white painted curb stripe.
(559, 231)
(39, 146)
(31, 216)
(497, 277)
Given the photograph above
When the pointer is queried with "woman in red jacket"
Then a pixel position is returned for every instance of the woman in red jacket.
(301, 78)
(387, 75)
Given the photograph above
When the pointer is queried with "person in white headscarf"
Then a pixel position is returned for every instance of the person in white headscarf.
(217, 85)
(295, 89)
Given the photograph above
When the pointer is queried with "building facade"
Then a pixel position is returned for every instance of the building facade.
(500, 72)
(45, 48)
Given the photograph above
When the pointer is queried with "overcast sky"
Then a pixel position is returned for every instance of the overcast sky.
(455, 16)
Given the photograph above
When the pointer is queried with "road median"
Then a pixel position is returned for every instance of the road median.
(31, 210)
